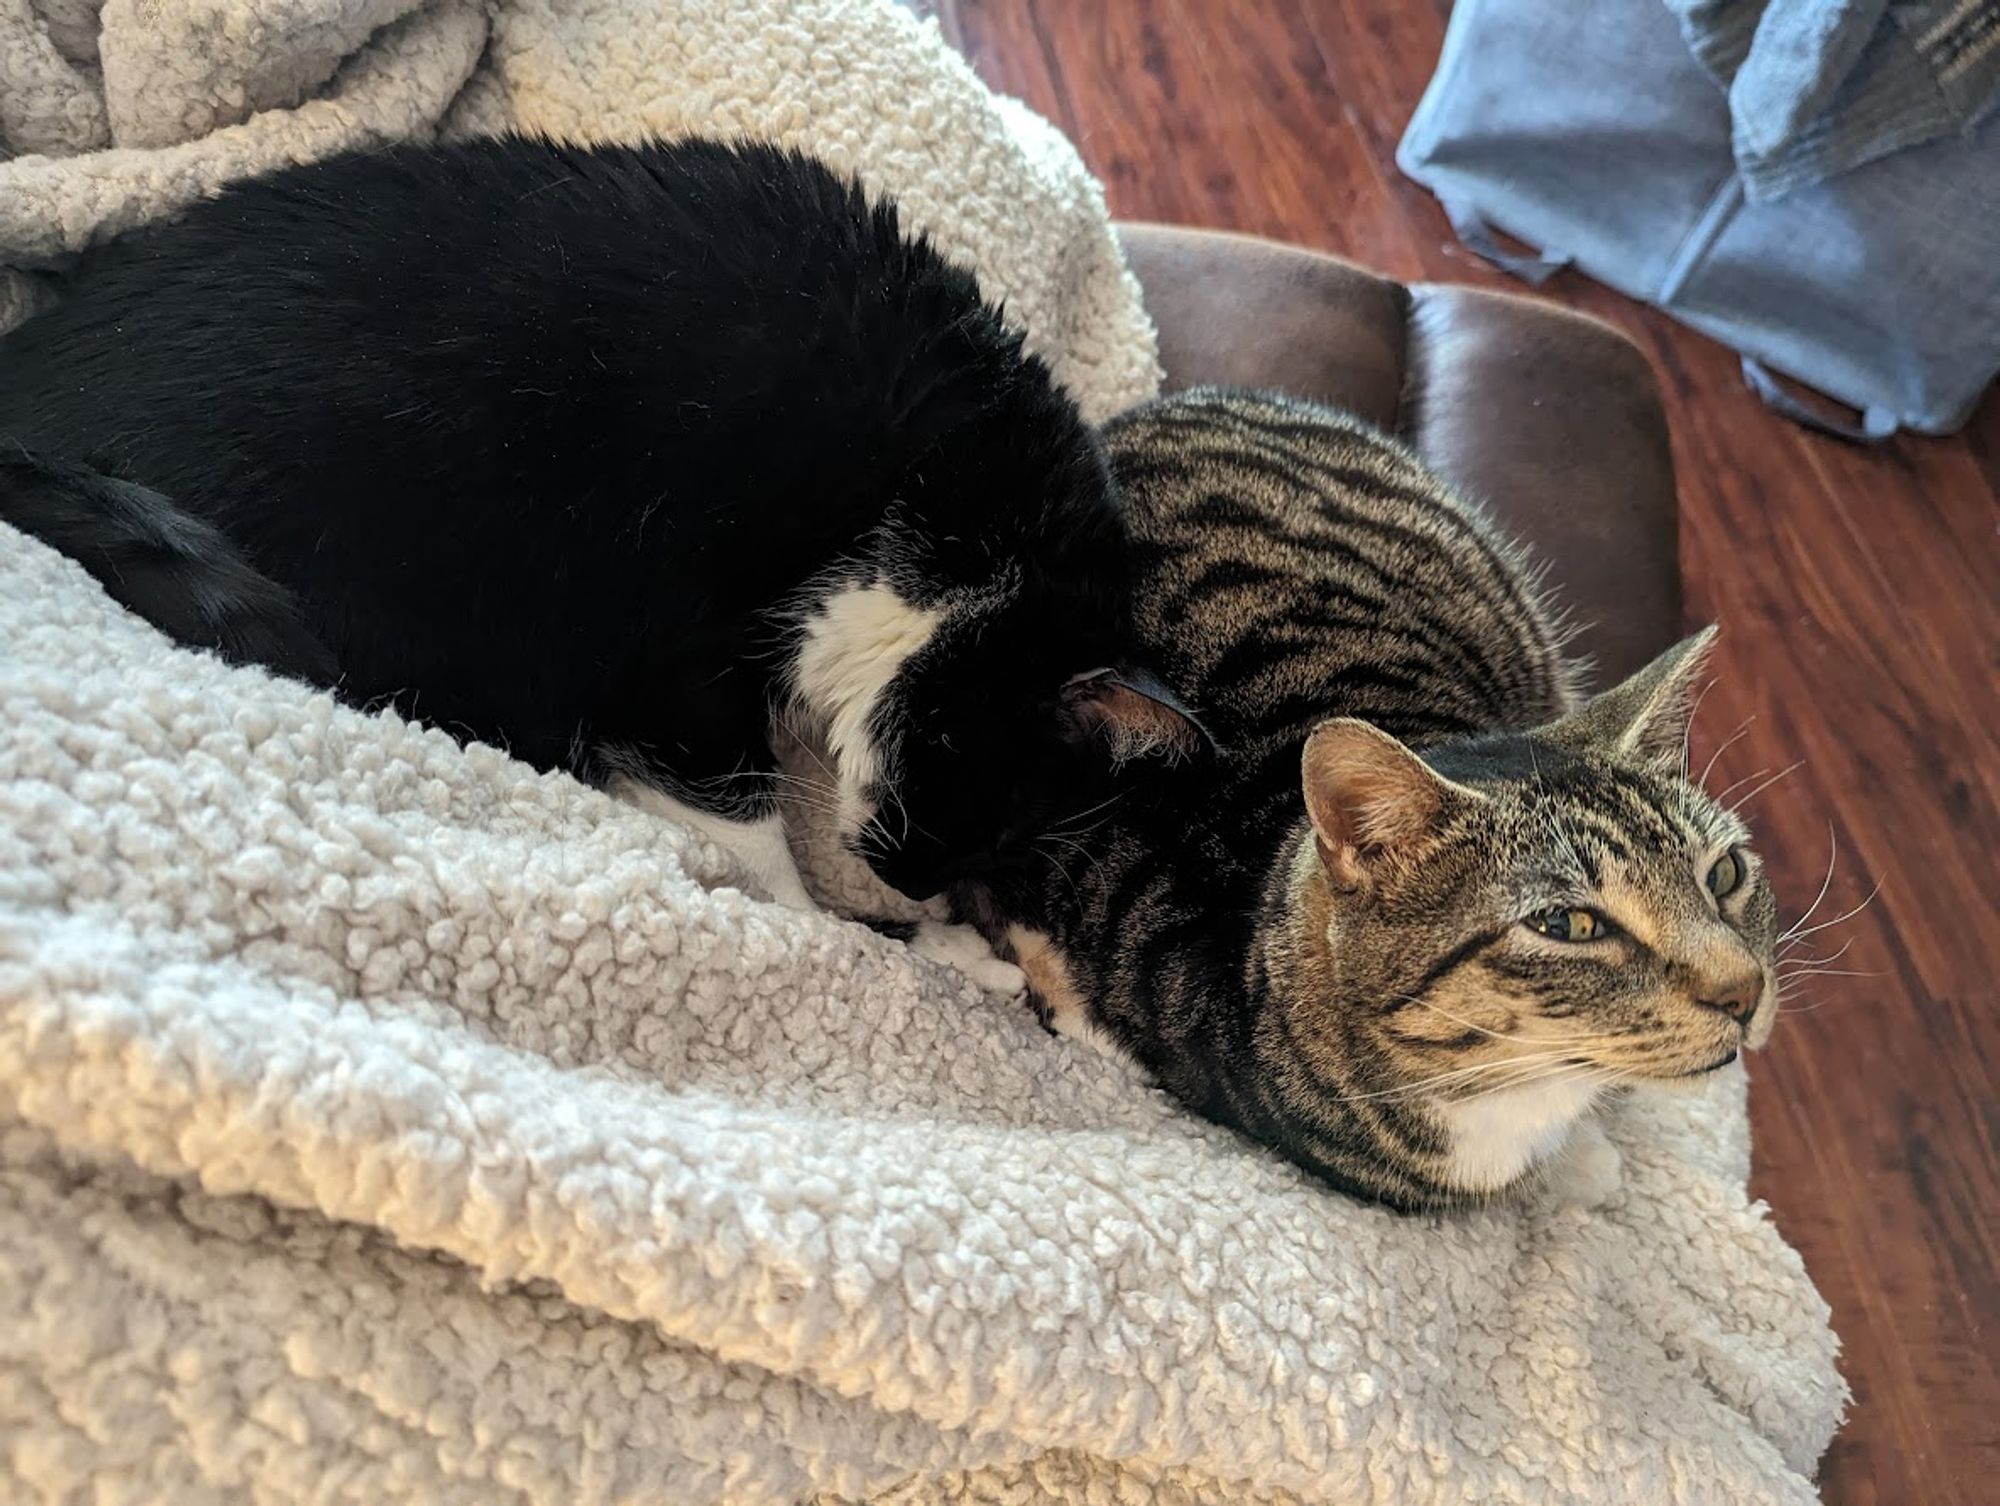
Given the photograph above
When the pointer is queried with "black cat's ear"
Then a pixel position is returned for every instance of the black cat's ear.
(1131, 714)
(1371, 799)
(1645, 719)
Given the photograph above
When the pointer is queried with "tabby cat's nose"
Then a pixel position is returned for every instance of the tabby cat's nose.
(1736, 998)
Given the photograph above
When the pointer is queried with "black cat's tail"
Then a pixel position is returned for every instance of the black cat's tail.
(164, 564)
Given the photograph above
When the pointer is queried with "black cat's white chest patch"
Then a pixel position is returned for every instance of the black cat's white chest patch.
(851, 647)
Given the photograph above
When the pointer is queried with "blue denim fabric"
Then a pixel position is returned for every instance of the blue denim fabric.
(1817, 87)
(1587, 129)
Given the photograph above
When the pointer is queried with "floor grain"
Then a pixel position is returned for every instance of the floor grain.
(1860, 596)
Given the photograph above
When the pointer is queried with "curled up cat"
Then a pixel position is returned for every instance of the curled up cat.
(609, 456)
(1426, 909)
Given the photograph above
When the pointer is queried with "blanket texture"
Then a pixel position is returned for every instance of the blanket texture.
(170, 99)
(383, 1122)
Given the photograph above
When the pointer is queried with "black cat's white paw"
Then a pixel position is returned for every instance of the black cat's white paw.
(966, 951)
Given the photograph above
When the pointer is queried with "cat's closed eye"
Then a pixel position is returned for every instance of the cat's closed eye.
(1569, 923)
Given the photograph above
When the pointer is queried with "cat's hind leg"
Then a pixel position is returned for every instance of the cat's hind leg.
(758, 842)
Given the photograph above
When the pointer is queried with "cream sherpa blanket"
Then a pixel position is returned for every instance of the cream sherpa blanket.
(381, 1122)
(172, 98)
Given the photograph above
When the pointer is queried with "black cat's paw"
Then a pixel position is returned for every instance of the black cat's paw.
(965, 951)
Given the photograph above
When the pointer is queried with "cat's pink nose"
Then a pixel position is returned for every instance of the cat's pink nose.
(1736, 997)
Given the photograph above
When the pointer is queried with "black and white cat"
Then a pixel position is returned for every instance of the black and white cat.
(607, 455)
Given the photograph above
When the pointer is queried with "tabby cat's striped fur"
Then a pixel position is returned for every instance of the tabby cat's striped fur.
(1325, 941)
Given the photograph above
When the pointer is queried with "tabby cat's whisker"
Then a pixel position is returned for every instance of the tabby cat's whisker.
(1548, 1072)
(1832, 853)
(1787, 956)
(1096, 865)
(1800, 935)
(1763, 785)
(1574, 1071)
(1456, 1075)
(1588, 1038)
(1560, 1072)
(1056, 863)
(1687, 732)
(1076, 832)
(1068, 824)
(1615, 1075)
(1728, 789)
(1733, 738)
(1811, 1005)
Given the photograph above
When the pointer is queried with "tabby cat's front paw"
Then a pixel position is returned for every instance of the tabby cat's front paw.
(965, 950)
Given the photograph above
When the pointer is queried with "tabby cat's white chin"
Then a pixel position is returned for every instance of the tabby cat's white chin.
(1497, 1137)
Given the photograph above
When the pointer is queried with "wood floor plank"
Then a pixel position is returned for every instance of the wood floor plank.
(1859, 591)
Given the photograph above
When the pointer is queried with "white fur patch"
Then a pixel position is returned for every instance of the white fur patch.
(1585, 1173)
(759, 846)
(849, 651)
(965, 950)
(1496, 1136)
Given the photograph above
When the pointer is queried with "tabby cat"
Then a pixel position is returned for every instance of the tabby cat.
(1425, 910)
(605, 455)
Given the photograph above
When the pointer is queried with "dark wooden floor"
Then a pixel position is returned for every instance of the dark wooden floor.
(1860, 596)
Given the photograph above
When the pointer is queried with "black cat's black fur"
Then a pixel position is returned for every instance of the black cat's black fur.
(564, 448)
(172, 569)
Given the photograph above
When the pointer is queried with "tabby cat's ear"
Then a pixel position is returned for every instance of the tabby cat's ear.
(1371, 799)
(1645, 719)
(1131, 714)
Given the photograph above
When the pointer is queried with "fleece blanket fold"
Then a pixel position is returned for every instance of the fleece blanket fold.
(114, 120)
(383, 1122)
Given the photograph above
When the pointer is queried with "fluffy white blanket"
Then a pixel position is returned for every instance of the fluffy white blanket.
(382, 1122)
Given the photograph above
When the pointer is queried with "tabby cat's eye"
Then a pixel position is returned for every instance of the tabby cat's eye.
(1726, 877)
(1567, 923)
